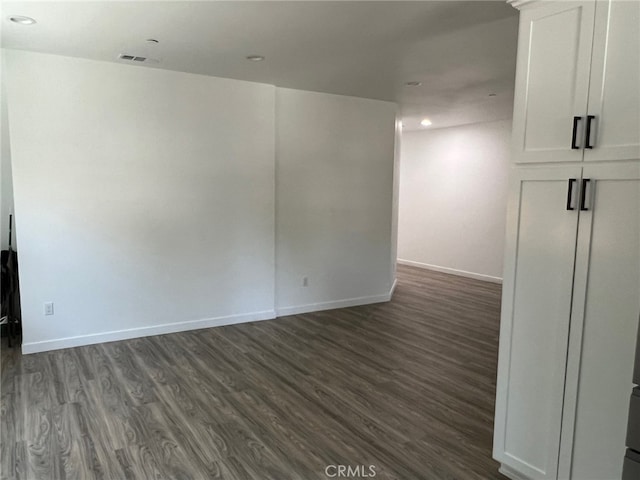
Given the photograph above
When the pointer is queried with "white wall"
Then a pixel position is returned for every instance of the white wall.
(453, 194)
(143, 198)
(334, 200)
(396, 199)
(6, 183)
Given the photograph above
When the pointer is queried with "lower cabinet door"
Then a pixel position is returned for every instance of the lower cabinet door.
(536, 308)
(604, 325)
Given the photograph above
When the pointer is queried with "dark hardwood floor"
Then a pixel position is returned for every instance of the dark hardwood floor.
(406, 387)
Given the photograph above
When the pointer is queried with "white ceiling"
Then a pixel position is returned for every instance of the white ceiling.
(461, 51)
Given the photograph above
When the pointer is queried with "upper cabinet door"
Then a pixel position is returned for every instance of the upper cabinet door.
(552, 80)
(614, 93)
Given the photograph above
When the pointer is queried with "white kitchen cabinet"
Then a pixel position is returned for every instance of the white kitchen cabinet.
(571, 300)
(577, 93)
(571, 287)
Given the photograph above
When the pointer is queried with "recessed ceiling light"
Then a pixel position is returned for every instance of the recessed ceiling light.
(255, 58)
(21, 20)
(425, 122)
(413, 84)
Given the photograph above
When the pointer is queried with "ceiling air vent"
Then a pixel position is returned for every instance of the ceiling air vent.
(132, 58)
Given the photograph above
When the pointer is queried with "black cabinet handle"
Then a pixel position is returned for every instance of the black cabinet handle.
(583, 194)
(570, 194)
(588, 132)
(574, 135)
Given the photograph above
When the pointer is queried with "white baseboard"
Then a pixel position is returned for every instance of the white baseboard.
(393, 288)
(452, 271)
(57, 344)
(69, 342)
(347, 302)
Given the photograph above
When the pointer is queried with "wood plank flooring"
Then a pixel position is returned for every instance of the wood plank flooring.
(406, 387)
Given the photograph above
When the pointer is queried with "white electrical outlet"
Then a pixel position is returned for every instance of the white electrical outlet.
(48, 308)
(305, 281)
